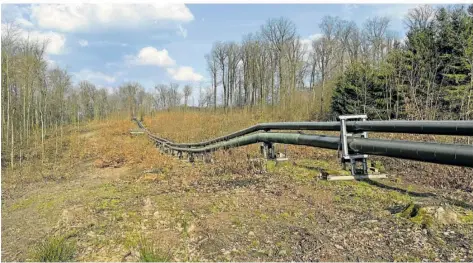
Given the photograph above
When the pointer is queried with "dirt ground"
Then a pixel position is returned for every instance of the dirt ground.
(235, 209)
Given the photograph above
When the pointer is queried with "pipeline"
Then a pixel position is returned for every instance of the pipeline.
(452, 154)
(461, 128)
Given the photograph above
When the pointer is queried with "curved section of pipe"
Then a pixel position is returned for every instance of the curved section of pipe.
(322, 141)
(461, 155)
(461, 128)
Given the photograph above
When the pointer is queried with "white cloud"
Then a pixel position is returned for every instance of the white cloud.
(307, 42)
(182, 32)
(55, 41)
(309, 39)
(24, 23)
(79, 17)
(151, 56)
(184, 74)
(92, 76)
(83, 43)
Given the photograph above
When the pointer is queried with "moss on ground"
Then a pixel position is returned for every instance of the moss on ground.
(418, 215)
(466, 217)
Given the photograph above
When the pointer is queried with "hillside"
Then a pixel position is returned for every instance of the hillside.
(78, 185)
(120, 199)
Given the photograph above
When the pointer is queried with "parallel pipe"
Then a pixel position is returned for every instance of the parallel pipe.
(156, 138)
(453, 154)
(461, 128)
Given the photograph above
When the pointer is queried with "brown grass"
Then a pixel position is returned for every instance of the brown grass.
(196, 126)
(102, 144)
(120, 148)
(235, 209)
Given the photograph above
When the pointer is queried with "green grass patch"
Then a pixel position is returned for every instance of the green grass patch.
(467, 218)
(270, 166)
(54, 249)
(286, 215)
(364, 190)
(236, 221)
(150, 253)
(21, 204)
(132, 239)
(108, 204)
(264, 217)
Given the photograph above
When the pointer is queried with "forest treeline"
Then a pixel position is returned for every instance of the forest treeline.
(355, 69)
(347, 68)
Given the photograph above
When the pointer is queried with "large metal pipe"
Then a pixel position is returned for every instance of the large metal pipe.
(152, 136)
(453, 154)
(322, 141)
(461, 155)
(156, 138)
(462, 128)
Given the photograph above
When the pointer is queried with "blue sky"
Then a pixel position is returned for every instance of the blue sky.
(114, 43)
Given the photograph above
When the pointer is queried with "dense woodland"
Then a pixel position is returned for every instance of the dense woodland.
(349, 68)
(356, 69)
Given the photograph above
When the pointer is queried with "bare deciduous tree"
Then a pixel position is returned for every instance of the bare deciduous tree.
(187, 93)
(420, 17)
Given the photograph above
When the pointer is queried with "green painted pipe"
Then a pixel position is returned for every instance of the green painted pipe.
(461, 128)
(453, 154)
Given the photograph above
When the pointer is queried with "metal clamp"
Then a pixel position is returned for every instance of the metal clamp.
(346, 156)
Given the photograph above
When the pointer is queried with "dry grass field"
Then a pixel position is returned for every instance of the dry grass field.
(106, 195)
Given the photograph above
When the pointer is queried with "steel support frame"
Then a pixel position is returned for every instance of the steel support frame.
(191, 157)
(207, 158)
(268, 151)
(346, 157)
